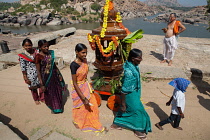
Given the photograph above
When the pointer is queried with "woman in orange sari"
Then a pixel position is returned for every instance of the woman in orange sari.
(85, 108)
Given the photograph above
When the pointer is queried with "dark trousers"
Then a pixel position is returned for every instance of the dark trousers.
(172, 119)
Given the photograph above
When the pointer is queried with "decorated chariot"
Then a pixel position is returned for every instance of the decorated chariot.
(112, 43)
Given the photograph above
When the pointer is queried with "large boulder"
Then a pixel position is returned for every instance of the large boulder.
(44, 21)
(24, 21)
(14, 20)
(45, 15)
(6, 20)
(39, 21)
(87, 6)
(197, 20)
(55, 22)
(79, 7)
(189, 20)
(33, 21)
(1, 16)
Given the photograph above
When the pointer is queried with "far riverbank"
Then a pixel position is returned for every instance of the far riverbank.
(198, 31)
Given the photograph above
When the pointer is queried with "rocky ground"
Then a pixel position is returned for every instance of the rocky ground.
(18, 110)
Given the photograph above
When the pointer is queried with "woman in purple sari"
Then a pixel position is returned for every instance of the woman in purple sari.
(50, 78)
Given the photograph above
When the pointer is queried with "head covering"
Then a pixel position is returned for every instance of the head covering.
(180, 84)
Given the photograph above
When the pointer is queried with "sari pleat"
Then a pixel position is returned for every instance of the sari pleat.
(86, 117)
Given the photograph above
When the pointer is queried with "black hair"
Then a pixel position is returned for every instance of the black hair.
(41, 42)
(134, 53)
(27, 40)
(173, 14)
(79, 47)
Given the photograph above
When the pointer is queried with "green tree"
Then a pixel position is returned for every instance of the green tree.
(95, 6)
(208, 6)
(6, 5)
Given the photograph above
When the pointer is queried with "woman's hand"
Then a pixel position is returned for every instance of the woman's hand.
(27, 81)
(43, 88)
(60, 78)
(85, 101)
(123, 108)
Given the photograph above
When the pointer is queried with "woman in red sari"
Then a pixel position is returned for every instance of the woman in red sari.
(85, 108)
(51, 80)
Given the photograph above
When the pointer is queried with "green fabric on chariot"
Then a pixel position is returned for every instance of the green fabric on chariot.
(135, 117)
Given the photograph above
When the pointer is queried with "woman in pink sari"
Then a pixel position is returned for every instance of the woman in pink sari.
(85, 108)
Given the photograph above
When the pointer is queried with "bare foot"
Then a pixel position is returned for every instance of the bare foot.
(179, 128)
(43, 101)
(170, 63)
(114, 126)
(158, 126)
(163, 61)
(76, 125)
(37, 103)
(106, 129)
(140, 135)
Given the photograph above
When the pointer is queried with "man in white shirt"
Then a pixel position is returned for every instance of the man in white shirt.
(178, 103)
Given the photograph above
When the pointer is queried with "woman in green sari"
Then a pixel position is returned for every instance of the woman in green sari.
(132, 114)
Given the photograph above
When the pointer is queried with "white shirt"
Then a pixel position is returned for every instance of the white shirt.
(178, 101)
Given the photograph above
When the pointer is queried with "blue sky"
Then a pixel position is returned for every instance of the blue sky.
(190, 2)
(183, 2)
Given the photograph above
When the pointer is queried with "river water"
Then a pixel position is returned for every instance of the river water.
(132, 24)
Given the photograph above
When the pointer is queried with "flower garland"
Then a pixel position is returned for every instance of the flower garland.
(92, 41)
(109, 51)
(108, 6)
(98, 42)
(119, 21)
(118, 17)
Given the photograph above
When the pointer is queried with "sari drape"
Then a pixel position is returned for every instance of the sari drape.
(135, 117)
(86, 117)
(51, 79)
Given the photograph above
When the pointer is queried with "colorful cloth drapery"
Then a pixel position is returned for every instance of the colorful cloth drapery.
(52, 80)
(84, 116)
(135, 117)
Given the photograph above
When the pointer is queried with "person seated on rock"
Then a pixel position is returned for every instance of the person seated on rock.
(173, 29)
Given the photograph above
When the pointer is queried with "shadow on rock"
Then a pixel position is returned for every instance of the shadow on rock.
(204, 102)
(197, 79)
(158, 111)
(157, 55)
(6, 120)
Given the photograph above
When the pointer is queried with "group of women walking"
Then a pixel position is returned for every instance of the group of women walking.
(40, 72)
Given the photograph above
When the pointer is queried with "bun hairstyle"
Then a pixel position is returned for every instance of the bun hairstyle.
(41, 42)
(134, 53)
(27, 40)
(79, 47)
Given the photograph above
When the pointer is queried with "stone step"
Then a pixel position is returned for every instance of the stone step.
(47, 134)
(7, 134)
